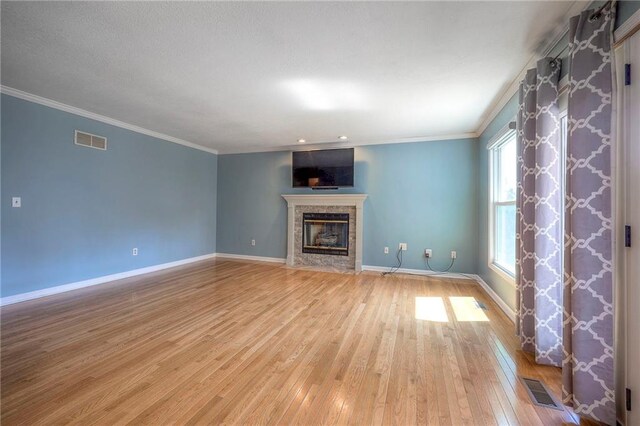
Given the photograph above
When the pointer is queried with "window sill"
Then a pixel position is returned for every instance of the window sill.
(505, 275)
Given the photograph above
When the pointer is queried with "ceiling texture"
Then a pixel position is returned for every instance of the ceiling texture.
(257, 76)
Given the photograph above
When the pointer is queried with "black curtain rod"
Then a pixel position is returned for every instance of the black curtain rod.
(595, 15)
(564, 49)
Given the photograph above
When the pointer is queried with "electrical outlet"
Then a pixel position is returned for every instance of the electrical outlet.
(253, 242)
(402, 246)
(16, 202)
(386, 250)
(453, 254)
(428, 253)
(134, 251)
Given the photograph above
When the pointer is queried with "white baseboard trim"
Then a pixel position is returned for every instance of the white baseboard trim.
(17, 298)
(22, 297)
(421, 272)
(501, 304)
(232, 256)
(505, 308)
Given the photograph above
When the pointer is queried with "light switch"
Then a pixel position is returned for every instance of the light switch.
(16, 202)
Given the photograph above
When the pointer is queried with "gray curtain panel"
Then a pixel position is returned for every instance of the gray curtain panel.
(539, 215)
(588, 374)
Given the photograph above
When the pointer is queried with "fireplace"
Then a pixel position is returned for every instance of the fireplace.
(325, 253)
(325, 233)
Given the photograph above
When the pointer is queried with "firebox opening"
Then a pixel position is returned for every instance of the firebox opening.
(325, 233)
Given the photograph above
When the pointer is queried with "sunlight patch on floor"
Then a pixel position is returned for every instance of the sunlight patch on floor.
(466, 309)
(431, 309)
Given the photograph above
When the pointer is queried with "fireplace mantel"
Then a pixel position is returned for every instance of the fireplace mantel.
(355, 200)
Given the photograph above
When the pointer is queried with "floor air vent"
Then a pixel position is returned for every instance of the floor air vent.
(539, 394)
(91, 141)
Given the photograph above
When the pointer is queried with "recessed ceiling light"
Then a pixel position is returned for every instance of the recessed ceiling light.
(343, 138)
(301, 140)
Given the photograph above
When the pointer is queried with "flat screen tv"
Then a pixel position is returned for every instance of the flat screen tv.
(327, 168)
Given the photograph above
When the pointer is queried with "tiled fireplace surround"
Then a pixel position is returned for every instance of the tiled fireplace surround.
(331, 203)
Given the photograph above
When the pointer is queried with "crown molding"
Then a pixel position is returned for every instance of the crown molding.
(97, 117)
(557, 35)
(240, 150)
(348, 144)
(576, 8)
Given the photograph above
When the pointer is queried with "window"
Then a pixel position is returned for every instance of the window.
(503, 186)
(502, 209)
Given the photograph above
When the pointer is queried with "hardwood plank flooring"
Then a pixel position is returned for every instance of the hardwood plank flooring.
(254, 343)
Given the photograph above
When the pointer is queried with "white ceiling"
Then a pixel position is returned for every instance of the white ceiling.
(252, 76)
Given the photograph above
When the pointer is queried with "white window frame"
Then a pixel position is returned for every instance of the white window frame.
(504, 135)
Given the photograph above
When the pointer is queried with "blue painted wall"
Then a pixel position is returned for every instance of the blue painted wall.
(83, 210)
(423, 194)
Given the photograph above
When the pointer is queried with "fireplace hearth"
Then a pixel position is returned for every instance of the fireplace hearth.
(325, 233)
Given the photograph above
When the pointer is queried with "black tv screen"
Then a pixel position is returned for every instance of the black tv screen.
(324, 168)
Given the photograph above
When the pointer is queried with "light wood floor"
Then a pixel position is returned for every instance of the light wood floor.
(234, 342)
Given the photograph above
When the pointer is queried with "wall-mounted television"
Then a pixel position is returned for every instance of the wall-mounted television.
(327, 168)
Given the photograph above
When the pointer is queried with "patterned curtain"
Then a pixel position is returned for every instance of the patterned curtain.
(588, 374)
(539, 215)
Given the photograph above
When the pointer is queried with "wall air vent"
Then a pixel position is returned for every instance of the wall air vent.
(91, 141)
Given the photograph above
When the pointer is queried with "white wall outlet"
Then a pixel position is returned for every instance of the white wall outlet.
(428, 253)
(386, 250)
(253, 242)
(403, 246)
(134, 251)
(16, 202)
(453, 254)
